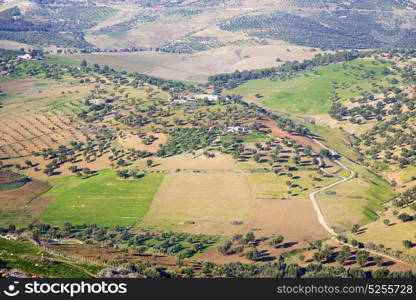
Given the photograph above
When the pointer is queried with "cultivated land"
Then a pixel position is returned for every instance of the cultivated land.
(102, 199)
(198, 25)
(255, 151)
(198, 66)
(201, 203)
(132, 164)
(21, 206)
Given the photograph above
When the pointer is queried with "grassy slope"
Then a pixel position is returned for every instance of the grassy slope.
(308, 93)
(103, 199)
(390, 236)
(359, 200)
(14, 255)
(335, 139)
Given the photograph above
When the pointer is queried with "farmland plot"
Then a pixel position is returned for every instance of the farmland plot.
(202, 203)
(103, 199)
(20, 136)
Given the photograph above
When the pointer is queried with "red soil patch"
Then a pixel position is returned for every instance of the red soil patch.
(17, 86)
(38, 205)
(278, 132)
(18, 198)
(294, 219)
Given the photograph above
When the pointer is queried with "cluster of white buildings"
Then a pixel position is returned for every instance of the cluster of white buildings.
(236, 130)
(100, 101)
(28, 56)
(25, 57)
(195, 98)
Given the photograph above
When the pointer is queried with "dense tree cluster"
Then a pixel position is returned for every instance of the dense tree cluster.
(187, 139)
(406, 198)
(392, 142)
(186, 245)
(168, 243)
(370, 108)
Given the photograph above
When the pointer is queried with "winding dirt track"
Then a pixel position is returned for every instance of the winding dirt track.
(312, 195)
(321, 217)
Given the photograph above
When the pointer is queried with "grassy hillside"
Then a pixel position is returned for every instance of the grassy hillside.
(312, 92)
(359, 200)
(31, 259)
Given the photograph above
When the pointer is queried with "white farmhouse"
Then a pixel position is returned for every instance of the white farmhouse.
(25, 57)
(209, 97)
(236, 129)
(98, 101)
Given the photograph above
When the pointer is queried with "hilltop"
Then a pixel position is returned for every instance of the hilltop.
(191, 40)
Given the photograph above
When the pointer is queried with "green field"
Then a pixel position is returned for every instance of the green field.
(312, 93)
(103, 199)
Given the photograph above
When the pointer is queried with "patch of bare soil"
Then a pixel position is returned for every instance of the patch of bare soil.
(129, 141)
(278, 132)
(15, 204)
(18, 198)
(17, 86)
(38, 205)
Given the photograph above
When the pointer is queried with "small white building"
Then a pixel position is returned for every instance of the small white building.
(180, 101)
(26, 56)
(98, 101)
(195, 98)
(209, 97)
(236, 129)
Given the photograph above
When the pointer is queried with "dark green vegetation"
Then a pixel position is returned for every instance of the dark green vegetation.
(406, 199)
(322, 24)
(131, 124)
(28, 258)
(389, 144)
(358, 88)
(183, 245)
(187, 139)
(389, 106)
